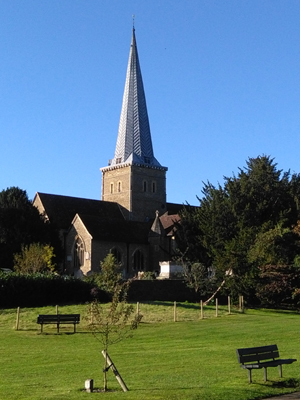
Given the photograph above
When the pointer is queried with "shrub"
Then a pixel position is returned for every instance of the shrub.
(32, 290)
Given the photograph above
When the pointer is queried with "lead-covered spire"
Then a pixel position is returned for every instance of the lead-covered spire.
(134, 144)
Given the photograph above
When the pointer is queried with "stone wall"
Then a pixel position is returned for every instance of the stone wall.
(139, 189)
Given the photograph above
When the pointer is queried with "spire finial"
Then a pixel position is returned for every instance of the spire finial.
(133, 17)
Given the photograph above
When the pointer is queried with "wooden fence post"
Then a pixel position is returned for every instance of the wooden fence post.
(137, 309)
(175, 312)
(201, 309)
(217, 305)
(229, 311)
(18, 318)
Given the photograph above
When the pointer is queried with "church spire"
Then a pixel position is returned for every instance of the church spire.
(134, 143)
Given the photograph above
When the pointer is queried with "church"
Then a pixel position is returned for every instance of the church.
(132, 220)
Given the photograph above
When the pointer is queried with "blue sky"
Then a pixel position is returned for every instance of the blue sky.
(221, 80)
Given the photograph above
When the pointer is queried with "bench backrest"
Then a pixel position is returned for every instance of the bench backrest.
(59, 318)
(257, 354)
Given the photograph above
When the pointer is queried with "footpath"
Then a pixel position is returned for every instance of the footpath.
(291, 396)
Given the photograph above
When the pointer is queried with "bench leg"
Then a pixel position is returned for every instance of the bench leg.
(74, 328)
(41, 328)
(250, 376)
(57, 328)
(280, 370)
(265, 374)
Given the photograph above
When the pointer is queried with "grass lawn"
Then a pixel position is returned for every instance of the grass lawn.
(191, 359)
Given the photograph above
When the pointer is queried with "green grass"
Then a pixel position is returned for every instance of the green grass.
(191, 359)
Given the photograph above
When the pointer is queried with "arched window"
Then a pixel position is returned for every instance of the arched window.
(78, 253)
(117, 254)
(119, 187)
(138, 261)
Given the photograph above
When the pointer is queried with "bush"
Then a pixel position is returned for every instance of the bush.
(32, 290)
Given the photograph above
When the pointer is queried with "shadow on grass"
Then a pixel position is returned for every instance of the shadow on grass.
(287, 383)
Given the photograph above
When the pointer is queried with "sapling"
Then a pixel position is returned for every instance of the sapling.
(113, 322)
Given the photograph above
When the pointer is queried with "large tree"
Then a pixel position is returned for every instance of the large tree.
(257, 208)
(21, 225)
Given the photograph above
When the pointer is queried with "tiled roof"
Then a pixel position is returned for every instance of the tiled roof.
(62, 209)
(168, 222)
(116, 230)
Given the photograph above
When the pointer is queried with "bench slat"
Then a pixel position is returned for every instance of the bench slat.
(58, 319)
(261, 357)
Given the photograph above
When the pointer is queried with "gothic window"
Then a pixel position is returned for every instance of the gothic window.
(138, 261)
(111, 188)
(117, 254)
(144, 186)
(119, 186)
(78, 254)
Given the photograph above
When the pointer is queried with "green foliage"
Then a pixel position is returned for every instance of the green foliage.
(37, 289)
(21, 225)
(196, 277)
(35, 258)
(110, 275)
(277, 284)
(146, 276)
(247, 223)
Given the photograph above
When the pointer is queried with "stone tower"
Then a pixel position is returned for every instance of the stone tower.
(134, 178)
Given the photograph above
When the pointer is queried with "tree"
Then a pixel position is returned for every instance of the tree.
(110, 274)
(234, 221)
(278, 285)
(115, 322)
(35, 258)
(20, 225)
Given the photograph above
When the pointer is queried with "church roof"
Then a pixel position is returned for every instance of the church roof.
(134, 143)
(157, 229)
(61, 209)
(116, 230)
(104, 219)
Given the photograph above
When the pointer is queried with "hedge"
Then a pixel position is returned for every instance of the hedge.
(33, 290)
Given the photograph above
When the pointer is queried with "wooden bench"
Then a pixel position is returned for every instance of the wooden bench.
(261, 357)
(58, 319)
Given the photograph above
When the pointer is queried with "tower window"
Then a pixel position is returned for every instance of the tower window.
(144, 186)
(111, 188)
(119, 186)
(118, 160)
(153, 187)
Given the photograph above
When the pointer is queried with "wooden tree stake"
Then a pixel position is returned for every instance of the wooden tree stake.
(115, 371)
